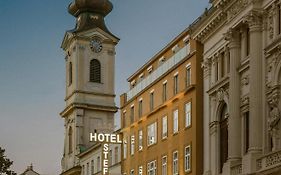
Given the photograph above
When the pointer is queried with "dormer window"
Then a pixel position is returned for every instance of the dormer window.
(161, 60)
(133, 83)
(140, 77)
(175, 48)
(186, 39)
(149, 69)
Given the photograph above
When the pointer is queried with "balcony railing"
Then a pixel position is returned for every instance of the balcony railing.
(165, 67)
(269, 161)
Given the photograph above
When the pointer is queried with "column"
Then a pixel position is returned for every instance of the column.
(220, 66)
(234, 138)
(213, 70)
(243, 42)
(256, 51)
(226, 59)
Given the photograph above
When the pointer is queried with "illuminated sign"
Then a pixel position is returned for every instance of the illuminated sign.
(105, 139)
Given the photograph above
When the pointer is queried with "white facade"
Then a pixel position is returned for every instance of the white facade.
(242, 78)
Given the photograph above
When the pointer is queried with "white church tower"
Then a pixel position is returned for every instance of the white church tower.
(90, 67)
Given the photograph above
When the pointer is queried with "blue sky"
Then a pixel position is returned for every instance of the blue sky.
(32, 66)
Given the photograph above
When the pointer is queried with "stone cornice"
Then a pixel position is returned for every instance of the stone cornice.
(90, 93)
(73, 106)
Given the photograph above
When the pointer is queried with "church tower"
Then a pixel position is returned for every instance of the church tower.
(90, 67)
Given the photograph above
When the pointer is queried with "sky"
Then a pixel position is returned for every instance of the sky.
(32, 70)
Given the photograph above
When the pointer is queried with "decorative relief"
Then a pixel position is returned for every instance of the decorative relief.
(206, 65)
(245, 101)
(270, 26)
(221, 95)
(254, 18)
(236, 8)
(245, 80)
(273, 159)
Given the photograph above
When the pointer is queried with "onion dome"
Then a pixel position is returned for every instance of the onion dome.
(90, 13)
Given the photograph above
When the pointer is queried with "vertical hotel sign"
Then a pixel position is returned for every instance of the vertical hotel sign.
(105, 139)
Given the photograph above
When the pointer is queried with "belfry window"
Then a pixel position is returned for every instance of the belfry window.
(95, 71)
(70, 73)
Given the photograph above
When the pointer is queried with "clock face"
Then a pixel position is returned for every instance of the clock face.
(96, 45)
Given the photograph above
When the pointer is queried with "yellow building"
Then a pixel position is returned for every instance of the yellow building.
(161, 114)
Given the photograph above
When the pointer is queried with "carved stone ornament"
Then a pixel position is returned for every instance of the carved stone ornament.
(270, 26)
(245, 81)
(236, 8)
(221, 94)
(254, 18)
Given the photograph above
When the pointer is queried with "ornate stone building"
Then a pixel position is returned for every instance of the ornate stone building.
(90, 106)
(242, 78)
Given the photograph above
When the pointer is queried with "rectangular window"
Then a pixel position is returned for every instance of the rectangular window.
(187, 159)
(140, 170)
(164, 95)
(125, 149)
(164, 165)
(164, 127)
(151, 168)
(116, 153)
(188, 114)
(132, 172)
(140, 108)
(151, 134)
(110, 158)
(176, 121)
(176, 84)
(140, 140)
(124, 119)
(175, 163)
(132, 117)
(132, 145)
(88, 169)
(98, 164)
(92, 167)
(188, 75)
(151, 101)
(247, 125)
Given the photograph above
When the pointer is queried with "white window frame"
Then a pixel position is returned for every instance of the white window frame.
(164, 127)
(140, 140)
(132, 172)
(151, 168)
(175, 163)
(187, 158)
(140, 170)
(164, 165)
(152, 134)
(175, 121)
(132, 144)
(188, 115)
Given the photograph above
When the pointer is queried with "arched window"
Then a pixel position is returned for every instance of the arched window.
(95, 71)
(223, 136)
(70, 147)
(70, 73)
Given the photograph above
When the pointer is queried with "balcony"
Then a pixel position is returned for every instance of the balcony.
(269, 162)
(165, 67)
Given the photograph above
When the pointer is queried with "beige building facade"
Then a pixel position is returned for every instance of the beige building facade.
(242, 78)
(161, 114)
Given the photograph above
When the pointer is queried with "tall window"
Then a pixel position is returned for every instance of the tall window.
(132, 116)
(70, 73)
(110, 157)
(188, 75)
(175, 163)
(116, 153)
(140, 170)
(187, 159)
(176, 84)
(176, 121)
(223, 136)
(247, 125)
(151, 168)
(164, 127)
(132, 145)
(70, 142)
(151, 101)
(98, 164)
(125, 149)
(140, 140)
(92, 167)
(83, 170)
(124, 119)
(151, 133)
(164, 165)
(88, 169)
(95, 71)
(140, 108)
(164, 95)
(188, 114)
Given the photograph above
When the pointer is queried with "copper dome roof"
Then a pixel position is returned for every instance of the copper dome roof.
(102, 7)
